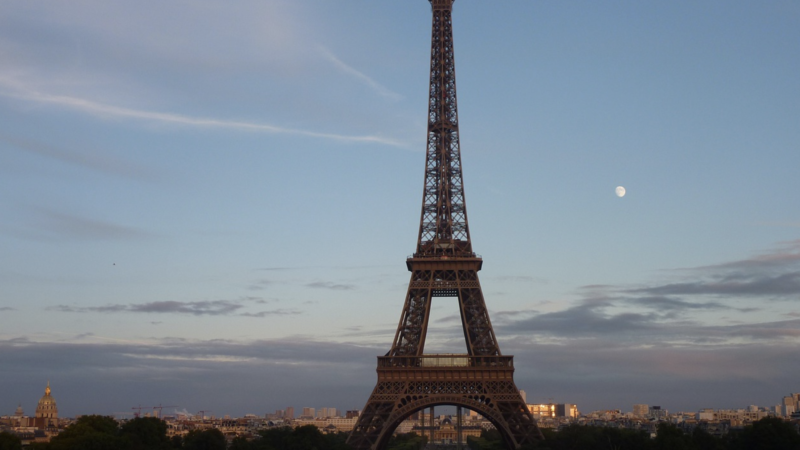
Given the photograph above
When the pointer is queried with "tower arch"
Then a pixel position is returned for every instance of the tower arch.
(479, 405)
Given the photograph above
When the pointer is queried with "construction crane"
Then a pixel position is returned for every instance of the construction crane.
(139, 409)
(161, 408)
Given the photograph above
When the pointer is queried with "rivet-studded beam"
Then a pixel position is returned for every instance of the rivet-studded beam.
(409, 384)
(444, 278)
(443, 229)
(444, 266)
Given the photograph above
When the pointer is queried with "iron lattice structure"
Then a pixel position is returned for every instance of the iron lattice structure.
(444, 265)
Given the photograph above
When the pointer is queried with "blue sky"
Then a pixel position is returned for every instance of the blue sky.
(211, 206)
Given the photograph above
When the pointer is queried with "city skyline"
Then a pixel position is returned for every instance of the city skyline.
(201, 199)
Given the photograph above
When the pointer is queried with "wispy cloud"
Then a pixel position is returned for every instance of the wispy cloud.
(48, 224)
(783, 285)
(274, 312)
(521, 279)
(18, 90)
(91, 160)
(6, 308)
(199, 308)
(775, 273)
(786, 253)
(330, 285)
(349, 70)
(684, 311)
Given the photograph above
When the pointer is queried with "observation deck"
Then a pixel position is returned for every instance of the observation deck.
(445, 367)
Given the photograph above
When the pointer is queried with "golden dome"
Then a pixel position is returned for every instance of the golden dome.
(47, 405)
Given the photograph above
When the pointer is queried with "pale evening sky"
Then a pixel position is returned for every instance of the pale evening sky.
(210, 206)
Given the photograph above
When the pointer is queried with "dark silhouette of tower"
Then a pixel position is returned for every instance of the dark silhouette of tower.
(444, 265)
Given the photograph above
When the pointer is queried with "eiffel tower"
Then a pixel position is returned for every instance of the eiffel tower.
(444, 265)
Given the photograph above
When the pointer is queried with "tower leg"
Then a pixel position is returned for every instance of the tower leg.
(432, 426)
(392, 401)
(458, 427)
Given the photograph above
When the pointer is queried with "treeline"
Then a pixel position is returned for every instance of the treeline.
(104, 433)
(766, 434)
(149, 433)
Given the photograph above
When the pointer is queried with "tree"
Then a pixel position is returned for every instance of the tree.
(176, 441)
(89, 433)
(272, 439)
(407, 441)
(241, 443)
(307, 437)
(488, 440)
(337, 441)
(702, 439)
(145, 433)
(670, 437)
(769, 433)
(211, 439)
(9, 441)
(595, 438)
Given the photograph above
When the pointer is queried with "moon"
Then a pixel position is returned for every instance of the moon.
(620, 191)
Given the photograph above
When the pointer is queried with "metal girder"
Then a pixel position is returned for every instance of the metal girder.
(409, 384)
(444, 278)
(444, 230)
(444, 265)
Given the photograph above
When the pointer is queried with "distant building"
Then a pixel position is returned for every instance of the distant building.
(657, 413)
(323, 413)
(524, 396)
(446, 432)
(46, 411)
(641, 410)
(566, 410)
(706, 414)
(791, 404)
(541, 411)
(289, 414)
(309, 413)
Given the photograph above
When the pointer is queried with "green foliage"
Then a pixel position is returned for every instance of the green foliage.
(670, 437)
(176, 442)
(240, 443)
(9, 441)
(103, 433)
(211, 439)
(489, 440)
(338, 441)
(407, 441)
(307, 437)
(590, 438)
(766, 434)
(89, 433)
(480, 443)
(701, 439)
(38, 446)
(145, 433)
(770, 433)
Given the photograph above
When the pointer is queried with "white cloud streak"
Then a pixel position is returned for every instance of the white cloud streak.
(374, 85)
(106, 111)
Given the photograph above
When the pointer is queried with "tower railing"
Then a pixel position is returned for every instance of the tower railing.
(445, 360)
